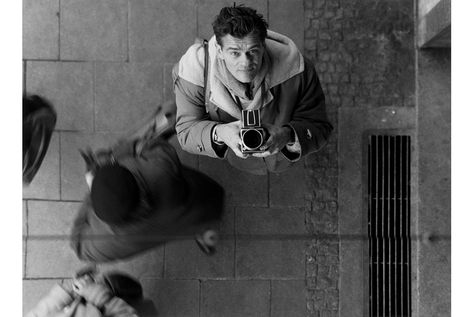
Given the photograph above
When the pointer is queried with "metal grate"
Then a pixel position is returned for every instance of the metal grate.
(389, 225)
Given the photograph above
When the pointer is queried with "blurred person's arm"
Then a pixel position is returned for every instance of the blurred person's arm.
(90, 239)
(103, 298)
(58, 302)
(81, 228)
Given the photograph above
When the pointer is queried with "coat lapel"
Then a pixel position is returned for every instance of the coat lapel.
(221, 97)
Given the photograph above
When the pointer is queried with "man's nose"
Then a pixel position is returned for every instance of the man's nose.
(245, 60)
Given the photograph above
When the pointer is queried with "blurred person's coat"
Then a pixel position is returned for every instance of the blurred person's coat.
(60, 302)
(292, 95)
(176, 201)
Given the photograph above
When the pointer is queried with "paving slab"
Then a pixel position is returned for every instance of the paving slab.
(242, 189)
(40, 29)
(168, 85)
(226, 226)
(47, 258)
(161, 31)
(24, 219)
(69, 88)
(45, 184)
(434, 273)
(34, 290)
(94, 30)
(23, 77)
(209, 9)
(288, 298)
(23, 240)
(270, 259)
(274, 220)
(173, 298)
(73, 184)
(286, 17)
(184, 259)
(290, 188)
(126, 95)
(23, 257)
(145, 265)
(235, 298)
(51, 218)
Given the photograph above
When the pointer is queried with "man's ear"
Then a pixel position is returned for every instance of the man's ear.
(220, 52)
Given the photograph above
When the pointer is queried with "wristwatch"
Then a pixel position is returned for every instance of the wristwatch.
(215, 138)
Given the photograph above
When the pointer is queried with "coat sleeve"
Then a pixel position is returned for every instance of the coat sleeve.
(309, 119)
(193, 124)
(52, 303)
(101, 297)
(91, 240)
(80, 228)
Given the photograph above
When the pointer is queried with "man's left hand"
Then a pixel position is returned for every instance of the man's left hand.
(279, 138)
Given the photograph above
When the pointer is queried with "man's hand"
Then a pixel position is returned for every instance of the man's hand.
(229, 133)
(279, 137)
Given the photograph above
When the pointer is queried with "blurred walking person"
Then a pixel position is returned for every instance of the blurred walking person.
(142, 196)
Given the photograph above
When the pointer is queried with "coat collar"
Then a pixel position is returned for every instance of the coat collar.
(284, 58)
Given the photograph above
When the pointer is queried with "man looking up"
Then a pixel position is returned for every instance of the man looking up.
(249, 67)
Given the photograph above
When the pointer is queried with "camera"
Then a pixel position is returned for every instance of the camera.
(253, 135)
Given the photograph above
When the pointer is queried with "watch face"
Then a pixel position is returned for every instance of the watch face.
(215, 139)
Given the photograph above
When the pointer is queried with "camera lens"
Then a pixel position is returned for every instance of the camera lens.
(252, 139)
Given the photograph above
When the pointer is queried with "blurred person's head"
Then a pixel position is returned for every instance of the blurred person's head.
(240, 34)
(39, 120)
(115, 194)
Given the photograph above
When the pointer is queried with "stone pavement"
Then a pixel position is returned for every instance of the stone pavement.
(105, 65)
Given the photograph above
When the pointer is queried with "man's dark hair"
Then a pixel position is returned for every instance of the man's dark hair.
(239, 21)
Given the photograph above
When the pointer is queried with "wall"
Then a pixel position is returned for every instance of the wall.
(434, 217)
(424, 6)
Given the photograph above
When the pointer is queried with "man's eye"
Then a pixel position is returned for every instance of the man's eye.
(235, 54)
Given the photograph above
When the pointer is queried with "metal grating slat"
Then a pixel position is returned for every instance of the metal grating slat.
(369, 220)
(384, 220)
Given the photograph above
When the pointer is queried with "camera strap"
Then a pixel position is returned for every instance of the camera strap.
(206, 74)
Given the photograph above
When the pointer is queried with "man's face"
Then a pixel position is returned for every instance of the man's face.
(243, 57)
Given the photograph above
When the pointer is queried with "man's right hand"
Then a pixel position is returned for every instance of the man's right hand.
(229, 133)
